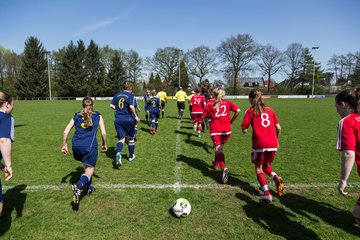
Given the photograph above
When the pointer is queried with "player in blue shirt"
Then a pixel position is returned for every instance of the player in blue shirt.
(146, 99)
(6, 138)
(154, 106)
(125, 119)
(85, 145)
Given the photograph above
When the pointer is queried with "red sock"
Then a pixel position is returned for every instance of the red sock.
(262, 180)
(219, 157)
(199, 128)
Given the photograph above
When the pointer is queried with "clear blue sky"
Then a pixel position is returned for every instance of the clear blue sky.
(145, 25)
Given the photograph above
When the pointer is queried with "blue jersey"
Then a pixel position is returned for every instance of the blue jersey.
(154, 104)
(6, 126)
(122, 102)
(85, 136)
(146, 99)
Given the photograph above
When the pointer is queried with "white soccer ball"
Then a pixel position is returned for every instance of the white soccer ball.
(181, 208)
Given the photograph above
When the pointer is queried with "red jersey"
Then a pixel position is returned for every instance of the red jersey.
(349, 134)
(197, 102)
(264, 136)
(220, 123)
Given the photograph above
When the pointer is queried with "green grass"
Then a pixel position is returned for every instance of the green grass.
(307, 155)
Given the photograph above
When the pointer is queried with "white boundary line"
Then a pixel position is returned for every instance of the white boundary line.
(178, 186)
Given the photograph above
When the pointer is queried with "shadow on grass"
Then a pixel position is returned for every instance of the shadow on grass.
(207, 171)
(187, 134)
(75, 175)
(14, 199)
(333, 216)
(203, 145)
(275, 220)
(19, 125)
(147, 130)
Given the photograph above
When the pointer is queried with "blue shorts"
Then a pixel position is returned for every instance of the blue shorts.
(88, 156)
(125, 128)
(146, 108)
(154, 115)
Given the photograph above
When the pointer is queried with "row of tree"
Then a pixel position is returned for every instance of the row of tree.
(77, 70)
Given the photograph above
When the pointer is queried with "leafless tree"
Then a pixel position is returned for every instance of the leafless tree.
(201, 62)
(236, 53)
(333, 64)
(294, 59)
(270, 62)
(165, 63)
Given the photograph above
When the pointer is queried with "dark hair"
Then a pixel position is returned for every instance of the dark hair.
(87, 113)
(5, 97)
(127, 85)
(256, 101)
(197, 90)
(351, 97)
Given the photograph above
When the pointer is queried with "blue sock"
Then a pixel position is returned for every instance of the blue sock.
(152, 123)
(131, 148)
(84, 179)
(156, 124)
(119, 146)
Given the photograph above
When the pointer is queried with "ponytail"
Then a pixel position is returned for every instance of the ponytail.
(219, 95)
(87, 104)
(256, 100)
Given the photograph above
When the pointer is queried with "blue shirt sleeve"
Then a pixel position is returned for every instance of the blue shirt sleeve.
(7, 127)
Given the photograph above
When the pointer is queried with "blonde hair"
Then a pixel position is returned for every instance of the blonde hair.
(219, 94)
(87, 104)
(256, 100)
(153, 92)
(4, 98)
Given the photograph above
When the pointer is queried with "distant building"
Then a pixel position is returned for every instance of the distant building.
(251, 82)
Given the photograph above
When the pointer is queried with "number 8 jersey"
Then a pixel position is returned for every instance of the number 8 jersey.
(264, 134)
(220, 118)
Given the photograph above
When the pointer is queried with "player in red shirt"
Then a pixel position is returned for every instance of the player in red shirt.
(347, 105)
(220, 127)
(197, 104)
(266, 130)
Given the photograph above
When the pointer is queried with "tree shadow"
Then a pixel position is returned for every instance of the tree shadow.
(183, 127)
(14, 199)
(275, 220)
(334, 216)
(75, 175)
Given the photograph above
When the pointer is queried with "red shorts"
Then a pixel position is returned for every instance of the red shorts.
(263, 157)
(220, 139)
(196, 117)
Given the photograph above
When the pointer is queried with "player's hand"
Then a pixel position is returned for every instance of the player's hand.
(103, 148)
(8, 173)
(137, 119)
(64, 149)
(341, 188)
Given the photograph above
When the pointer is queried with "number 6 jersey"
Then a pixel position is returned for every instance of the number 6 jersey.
(264, 134)
(220, 118)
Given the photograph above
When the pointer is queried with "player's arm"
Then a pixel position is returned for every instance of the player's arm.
(64, 148)
(103, 134)
(5, 148)
(112, 106)
(133, 110)
(347, 160)
(236, 114)
(278, 130)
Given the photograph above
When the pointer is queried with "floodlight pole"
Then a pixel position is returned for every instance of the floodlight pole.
(47, 59)
(313, 80)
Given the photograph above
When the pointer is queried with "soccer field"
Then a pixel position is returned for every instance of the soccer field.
(133, 202)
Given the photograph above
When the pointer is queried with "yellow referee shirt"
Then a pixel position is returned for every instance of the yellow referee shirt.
(181, 96)
(162, 95)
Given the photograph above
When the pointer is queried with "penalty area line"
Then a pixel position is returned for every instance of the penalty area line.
(175, 186)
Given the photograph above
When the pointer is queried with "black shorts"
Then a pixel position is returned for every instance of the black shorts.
(162, 104)
(181, 105)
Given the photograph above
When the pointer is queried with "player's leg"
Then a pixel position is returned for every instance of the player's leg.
(258, 160)
(279, 183)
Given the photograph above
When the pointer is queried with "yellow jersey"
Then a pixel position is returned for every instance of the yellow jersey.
(181, 96)
(190, 97)
(162, 95)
